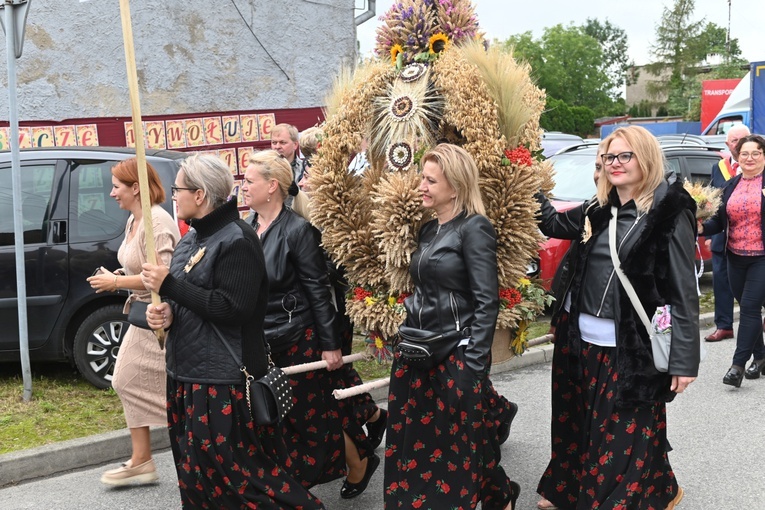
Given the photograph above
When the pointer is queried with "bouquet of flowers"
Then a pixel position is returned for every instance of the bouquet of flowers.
(529, 300)
(708, 199)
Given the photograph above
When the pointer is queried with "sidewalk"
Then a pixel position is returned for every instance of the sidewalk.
(100, 449)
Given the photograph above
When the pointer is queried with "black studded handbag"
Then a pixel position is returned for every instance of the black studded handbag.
(270, 397)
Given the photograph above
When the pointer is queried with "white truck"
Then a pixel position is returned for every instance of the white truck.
(736, 110)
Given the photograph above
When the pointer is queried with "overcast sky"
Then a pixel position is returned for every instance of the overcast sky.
(638, 18)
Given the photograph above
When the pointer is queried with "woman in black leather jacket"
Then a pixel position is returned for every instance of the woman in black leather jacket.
(609, 441)
(300, 328)
(438, 450)
(216, 280)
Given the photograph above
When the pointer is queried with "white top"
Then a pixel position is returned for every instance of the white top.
(597, 331)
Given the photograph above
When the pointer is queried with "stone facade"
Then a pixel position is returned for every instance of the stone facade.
(637, 91)
(191, 56)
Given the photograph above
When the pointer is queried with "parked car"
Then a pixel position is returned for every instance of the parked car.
(71, 227)
(574, 168)
(553, 141)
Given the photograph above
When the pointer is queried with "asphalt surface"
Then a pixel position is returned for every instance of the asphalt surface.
(716, 432)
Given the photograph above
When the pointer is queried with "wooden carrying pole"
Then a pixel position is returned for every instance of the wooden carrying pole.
(140, 150)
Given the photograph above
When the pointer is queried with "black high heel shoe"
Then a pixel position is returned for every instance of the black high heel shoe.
(515, 491)
(376, 429)
(734, 376)
(756, 368)
(351, 490)
(503, 431)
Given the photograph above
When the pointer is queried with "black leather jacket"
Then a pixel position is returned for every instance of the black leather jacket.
(454, 270)
(658, 258)
(298, 283)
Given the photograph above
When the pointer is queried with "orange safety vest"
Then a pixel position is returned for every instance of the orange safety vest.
(725, 169)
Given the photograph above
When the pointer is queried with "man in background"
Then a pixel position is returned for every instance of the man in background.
(284, 140)
(722, 172)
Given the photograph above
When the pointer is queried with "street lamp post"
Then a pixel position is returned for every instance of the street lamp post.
(14, 22)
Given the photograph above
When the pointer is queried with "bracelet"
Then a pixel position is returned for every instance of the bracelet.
(115, 283)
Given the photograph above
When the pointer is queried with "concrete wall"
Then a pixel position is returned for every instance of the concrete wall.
(192, 56)
(638, 90)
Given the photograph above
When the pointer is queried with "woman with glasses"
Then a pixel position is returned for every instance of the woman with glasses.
(214, 302)
(742, 217)
(609, 439)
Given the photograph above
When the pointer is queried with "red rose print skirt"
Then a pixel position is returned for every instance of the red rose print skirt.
(313, 428)
(222, 459)
(439, 448)
(602, 456)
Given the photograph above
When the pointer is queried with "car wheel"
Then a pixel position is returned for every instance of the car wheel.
(97, 343)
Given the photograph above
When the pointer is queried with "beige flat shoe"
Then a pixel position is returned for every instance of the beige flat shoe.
(126, 474)
(678, 499)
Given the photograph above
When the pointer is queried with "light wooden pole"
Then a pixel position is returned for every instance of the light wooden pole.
(140, 150)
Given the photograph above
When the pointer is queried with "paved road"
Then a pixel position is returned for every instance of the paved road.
(718, 433)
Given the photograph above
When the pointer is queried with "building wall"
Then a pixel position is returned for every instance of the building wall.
(637, 91)
(191, 56)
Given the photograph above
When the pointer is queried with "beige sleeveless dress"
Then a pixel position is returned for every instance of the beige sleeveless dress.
(139, 374)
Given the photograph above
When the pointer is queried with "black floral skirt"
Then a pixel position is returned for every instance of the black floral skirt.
(313, 429)
(355, 411)
(602, 456)
(222, 459)
(438, 448)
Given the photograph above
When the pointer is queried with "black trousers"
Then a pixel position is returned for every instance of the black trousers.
(747, 281)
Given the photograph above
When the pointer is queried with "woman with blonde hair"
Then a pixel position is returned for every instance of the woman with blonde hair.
(433, 460)
(300, 328)
(609, 438)
(139, 373)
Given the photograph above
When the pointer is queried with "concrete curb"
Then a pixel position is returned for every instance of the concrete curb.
(115, 446)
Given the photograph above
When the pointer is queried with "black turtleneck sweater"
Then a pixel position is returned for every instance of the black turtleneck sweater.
(226, 286)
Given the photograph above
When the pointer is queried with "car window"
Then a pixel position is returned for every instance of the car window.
(700, 169)
(574, 176)
(93, 214)
(36, 185)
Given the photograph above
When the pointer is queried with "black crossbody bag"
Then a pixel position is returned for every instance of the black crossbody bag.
(270, 397)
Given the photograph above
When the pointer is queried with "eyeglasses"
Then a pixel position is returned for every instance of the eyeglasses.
(747, 155)
(176, 189)
(623, 157)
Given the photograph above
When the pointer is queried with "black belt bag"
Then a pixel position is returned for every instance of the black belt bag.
(425, 349)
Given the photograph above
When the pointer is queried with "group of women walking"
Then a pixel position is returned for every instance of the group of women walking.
(264, 286)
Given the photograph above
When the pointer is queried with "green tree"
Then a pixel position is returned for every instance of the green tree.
(568, 64)
(559, 116)
(681, 46)
(613, 43)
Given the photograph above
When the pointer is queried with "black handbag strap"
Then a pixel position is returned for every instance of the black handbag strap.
(233, 354)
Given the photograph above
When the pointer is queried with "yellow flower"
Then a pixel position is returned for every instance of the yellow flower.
(391, 301)
(369, 301)
(524, 282)
(379, 343)
(437, 43)
(394, 51)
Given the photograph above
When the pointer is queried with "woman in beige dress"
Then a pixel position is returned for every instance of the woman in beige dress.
(139, 374)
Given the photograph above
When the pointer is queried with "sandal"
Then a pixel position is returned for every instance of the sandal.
(677, 500)
(545, 504)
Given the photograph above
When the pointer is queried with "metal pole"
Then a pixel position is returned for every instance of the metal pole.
(727, 39)
(18, 231)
